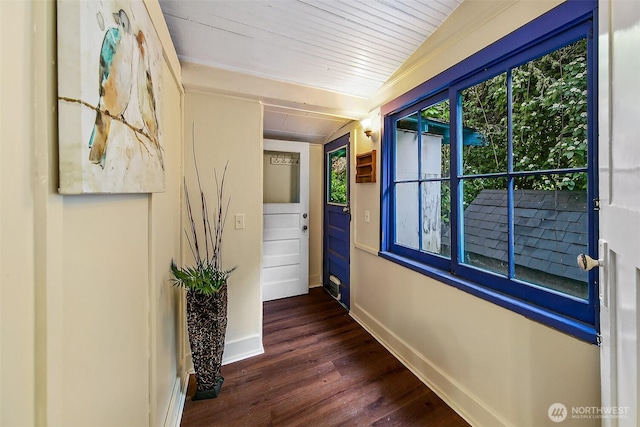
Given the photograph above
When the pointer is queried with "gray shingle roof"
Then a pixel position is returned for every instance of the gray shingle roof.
(550, 229)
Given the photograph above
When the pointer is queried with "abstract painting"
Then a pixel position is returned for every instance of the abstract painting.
(109, 98)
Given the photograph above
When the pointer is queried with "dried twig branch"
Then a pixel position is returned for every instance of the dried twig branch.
(213, 227)
(194, 234)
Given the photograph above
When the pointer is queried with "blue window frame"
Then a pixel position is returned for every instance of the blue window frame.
(489, 178)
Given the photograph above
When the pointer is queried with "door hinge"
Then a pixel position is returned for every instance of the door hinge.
(599, 340)
(596, 204)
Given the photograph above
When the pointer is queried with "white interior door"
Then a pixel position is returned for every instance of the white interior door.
(619, 176)
(285, 252)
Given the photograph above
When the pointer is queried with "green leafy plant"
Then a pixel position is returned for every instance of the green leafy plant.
(204, 278)
(549, 122)
(207, 276)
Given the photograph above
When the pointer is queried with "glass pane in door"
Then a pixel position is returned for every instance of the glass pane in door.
(281, 183)
(337, 177)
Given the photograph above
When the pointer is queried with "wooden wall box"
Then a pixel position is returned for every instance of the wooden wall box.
(366, 167)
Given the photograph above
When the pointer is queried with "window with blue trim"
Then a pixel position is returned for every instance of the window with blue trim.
(490, 177)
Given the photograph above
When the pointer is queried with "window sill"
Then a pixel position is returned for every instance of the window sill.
(559, 322)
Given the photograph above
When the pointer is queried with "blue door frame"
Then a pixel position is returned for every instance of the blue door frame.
(337, 224)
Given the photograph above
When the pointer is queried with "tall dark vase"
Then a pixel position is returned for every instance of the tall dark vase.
(206, 325)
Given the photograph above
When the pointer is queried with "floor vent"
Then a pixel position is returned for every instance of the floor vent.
(334, 287)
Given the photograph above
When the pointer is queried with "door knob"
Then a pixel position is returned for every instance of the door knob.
(585, 262)
(346, 209)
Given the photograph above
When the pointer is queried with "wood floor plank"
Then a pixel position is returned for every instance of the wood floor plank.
(320, 368)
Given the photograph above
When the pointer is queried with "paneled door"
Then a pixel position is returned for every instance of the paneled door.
(618, 155)
(337, 220)
(285, 241)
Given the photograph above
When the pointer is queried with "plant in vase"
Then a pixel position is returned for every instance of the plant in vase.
(206, 285)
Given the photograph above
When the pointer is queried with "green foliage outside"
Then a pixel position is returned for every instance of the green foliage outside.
(338, 178)
(549, 122)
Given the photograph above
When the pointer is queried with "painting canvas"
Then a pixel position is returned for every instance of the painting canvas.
(109, 98)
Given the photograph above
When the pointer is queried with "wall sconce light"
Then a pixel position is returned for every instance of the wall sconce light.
(366, 128)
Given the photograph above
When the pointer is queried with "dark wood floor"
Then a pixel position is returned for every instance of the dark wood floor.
(320, 368)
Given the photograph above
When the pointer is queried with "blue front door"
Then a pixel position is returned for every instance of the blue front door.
(337, 219)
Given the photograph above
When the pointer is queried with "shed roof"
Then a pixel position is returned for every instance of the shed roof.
(550, 229)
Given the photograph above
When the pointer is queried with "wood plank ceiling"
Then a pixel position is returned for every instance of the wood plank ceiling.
(346, 46)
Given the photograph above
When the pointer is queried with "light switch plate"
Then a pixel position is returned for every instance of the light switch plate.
(239, 220)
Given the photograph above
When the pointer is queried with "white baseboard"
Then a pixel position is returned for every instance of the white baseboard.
(244, 348)
(315, 280)
(176, 404)
(467, 405)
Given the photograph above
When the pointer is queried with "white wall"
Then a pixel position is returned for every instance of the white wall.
(230, 129)
(316, 182)
(17, 216)
(89, 319)
(493, 366)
